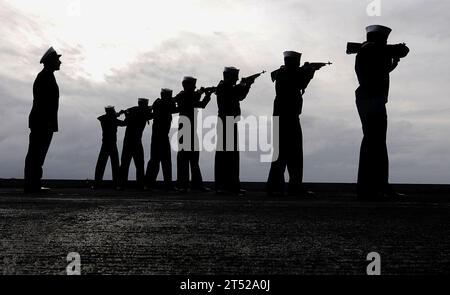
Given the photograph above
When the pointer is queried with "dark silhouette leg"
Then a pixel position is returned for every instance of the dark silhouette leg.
(166, 164)
(197, 181)
(275, 181)
(125, 162)
(220, 158)
(115, 166)
(37, 151)
(365, 155)
(373, 171)
(219, 167)
(233, 181)
(182, 169)
(101, 164)
(227, 162)
(138, 157)
(153, 164)
(295, 158)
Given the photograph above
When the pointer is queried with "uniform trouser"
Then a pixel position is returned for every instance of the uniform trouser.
(184, 160)
(373, 172)
(290, 156)
(226, 168)
(159, 154)
(189, 157)
(37, 150)
(132, 149)
(108, 150)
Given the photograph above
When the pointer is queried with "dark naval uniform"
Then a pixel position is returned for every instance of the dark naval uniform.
(135, 119)
(187, 103)
(43, 122)
(109, 125)
(226, 169)
(373, 64)
(289, 86)
(160, 146)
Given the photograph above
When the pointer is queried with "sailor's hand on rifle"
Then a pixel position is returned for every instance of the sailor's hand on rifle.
(208, 90)
(251, 79)
(316, 65)
(247, 82)
(403, 50)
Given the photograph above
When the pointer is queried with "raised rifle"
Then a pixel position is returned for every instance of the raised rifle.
(208, 90)
(397, 50)
(316, 65)
(251, 79)
(353, 47)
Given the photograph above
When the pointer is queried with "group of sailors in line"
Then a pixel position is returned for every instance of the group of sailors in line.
(375, 59)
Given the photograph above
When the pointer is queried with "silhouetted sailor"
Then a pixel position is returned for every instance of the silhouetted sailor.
(43, 120)
(291, 81)
(135, 119)
(188, 100)
(229, 95)
(374, 61)
(109, 123)
(163, 108)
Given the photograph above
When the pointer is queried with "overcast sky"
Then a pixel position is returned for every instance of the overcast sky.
(116, 51)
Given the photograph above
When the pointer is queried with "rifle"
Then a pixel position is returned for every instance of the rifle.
(397, 50)
(353, 47)
(316, 65)
(208, 90)
(251, 79)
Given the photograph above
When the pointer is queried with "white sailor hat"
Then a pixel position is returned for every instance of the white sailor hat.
(143, 100)
(231, 70)
(379, 29)
(48, 54)
(109, 109)
(166, 91)
(293, 54)
(189, 79)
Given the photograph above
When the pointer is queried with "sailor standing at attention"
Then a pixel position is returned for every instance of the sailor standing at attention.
(43, 120)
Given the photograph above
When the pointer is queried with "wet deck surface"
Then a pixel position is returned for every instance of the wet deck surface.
(134, 232)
